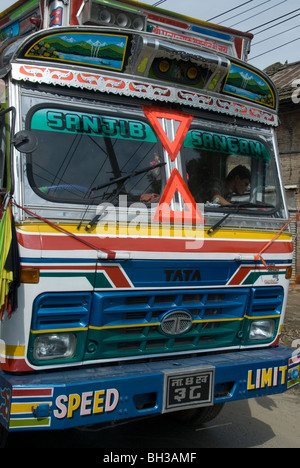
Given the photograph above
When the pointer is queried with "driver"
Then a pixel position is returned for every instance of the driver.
(237, 182)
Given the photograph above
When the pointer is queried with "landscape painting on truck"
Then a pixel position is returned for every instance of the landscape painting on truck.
(100, 50)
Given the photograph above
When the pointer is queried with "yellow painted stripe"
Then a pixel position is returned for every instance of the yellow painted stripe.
(63, 330)
(156, 324)
(112, 327)
(25, 408)
(262, 317)
(157, 230)
(237, 319)
(11, 351)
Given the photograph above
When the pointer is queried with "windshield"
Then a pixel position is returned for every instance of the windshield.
(86, 157)
(226, 170)
(94, 157)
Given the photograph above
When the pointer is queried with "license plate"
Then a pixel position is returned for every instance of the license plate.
(188, 388)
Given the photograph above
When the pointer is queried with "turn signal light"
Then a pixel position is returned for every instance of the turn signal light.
(289, 272)
(30, 275)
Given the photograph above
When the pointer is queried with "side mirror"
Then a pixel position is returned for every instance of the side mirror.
(25, 141)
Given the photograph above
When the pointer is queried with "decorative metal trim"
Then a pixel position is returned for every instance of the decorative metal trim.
(142, 89)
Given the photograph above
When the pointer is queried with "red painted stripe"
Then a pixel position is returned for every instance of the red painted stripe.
(64, 242)
(243, 272)
(169, 21)
(240, 275)
(32, 392)
(117, 276)
(246, 246)
(294, 360)
(15, 365)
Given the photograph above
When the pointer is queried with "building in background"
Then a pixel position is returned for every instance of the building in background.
(285, 78)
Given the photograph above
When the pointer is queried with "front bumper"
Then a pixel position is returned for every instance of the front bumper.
(75, 397)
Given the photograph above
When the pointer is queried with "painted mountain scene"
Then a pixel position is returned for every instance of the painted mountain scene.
(102, 50)
(244, 83)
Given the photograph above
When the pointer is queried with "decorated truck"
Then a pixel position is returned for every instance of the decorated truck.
(145, 244)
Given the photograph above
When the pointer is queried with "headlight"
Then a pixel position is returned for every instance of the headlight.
(262, 330)
(55, 346)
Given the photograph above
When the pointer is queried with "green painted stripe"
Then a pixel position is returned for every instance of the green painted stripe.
(24, 9)
(29, 422)
(98, 281)
(253, 277)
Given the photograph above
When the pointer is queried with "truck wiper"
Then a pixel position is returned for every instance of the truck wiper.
(218, 224)
(128, 176)
(235, 209)
(117, 181)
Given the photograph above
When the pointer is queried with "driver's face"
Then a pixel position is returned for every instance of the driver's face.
(241, 185)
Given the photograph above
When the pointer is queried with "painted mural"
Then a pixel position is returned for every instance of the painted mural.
(243, 82)
(102, 50)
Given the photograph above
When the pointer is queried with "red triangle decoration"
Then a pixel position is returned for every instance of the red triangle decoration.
(162, 213)
(185, 120)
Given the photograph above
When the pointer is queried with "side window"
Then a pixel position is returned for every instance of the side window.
(92, 158)
(3, 137)
(3, 171)
(225, 170)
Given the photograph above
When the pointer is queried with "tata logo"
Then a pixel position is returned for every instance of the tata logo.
(176, 322)
(182, 275)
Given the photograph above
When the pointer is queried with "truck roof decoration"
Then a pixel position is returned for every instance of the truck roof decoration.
(171, 56)
(25, 14)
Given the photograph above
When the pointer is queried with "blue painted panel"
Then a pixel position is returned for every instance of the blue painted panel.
(208, 32)
(108, 393)
(54, 311)
(179, 273)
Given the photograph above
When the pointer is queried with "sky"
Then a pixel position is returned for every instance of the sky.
(277, 41)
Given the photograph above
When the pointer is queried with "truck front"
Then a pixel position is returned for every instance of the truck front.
(141, 184)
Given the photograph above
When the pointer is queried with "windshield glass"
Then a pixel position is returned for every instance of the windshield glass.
(94, 157)
(86, 157)
(225, 170)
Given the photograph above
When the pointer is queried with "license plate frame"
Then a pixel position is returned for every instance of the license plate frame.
(188, 388)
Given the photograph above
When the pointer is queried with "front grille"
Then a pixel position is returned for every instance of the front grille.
(266, 301)
(129, 324)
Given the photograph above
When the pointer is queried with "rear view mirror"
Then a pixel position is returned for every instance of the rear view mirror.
(25, 141)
